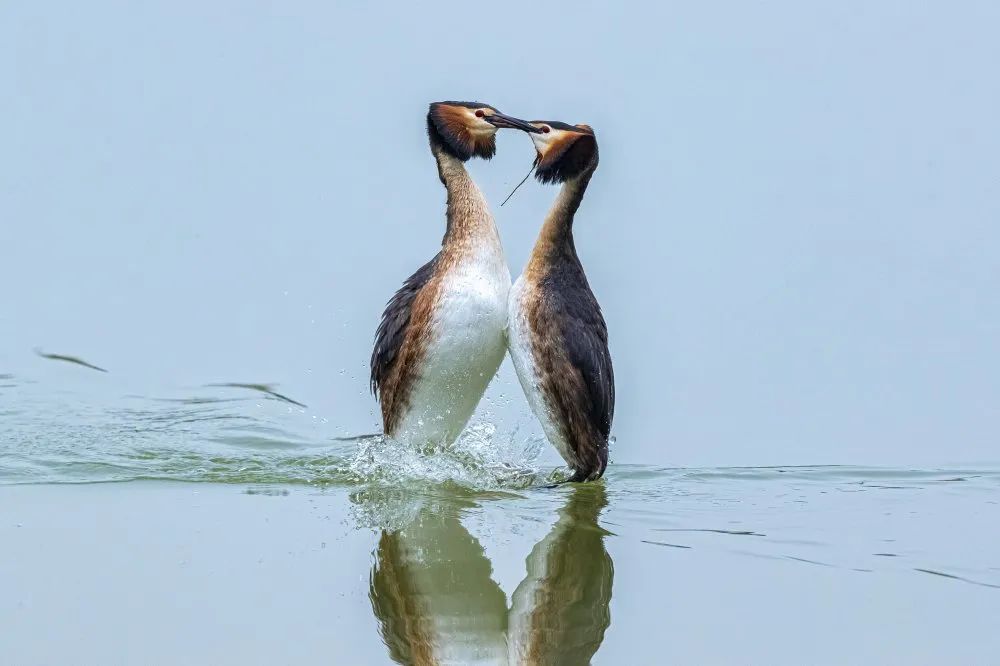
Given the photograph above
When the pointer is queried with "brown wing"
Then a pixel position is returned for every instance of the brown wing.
(585, 337)
(387, 381)
(579, 380)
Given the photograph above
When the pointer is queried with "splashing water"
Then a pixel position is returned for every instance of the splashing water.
(206, 438)
(480, 458)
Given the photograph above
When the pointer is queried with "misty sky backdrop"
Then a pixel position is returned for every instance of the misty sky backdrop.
(794, 230)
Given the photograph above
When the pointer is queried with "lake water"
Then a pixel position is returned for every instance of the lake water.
(224, 524)
(793, 237)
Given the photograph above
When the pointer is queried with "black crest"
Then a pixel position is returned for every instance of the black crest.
(569, 158)
(446, 128)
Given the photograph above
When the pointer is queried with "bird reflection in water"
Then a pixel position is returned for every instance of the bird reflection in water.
(436, 603)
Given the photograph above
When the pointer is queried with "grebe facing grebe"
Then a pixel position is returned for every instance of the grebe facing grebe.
(441, 338)
(557, 336)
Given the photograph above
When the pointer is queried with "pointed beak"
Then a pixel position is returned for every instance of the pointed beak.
(500, 120)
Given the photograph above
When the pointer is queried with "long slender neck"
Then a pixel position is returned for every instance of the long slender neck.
(556, 236)
(467, 212)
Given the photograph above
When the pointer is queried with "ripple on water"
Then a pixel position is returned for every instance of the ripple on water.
(230, 440)
(824, 516)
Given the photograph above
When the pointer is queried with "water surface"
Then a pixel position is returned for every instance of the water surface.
(239, 528)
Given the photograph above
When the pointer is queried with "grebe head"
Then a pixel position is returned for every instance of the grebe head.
(468, 129)
(564, 151)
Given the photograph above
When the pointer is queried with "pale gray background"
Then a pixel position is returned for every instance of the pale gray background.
(794, 231)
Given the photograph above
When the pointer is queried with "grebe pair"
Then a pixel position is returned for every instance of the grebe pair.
(443, 334)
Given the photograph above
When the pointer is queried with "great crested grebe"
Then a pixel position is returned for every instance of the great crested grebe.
(556, 333)
(441, 338)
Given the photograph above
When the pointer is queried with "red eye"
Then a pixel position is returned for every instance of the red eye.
(545, 129)
(479, 113)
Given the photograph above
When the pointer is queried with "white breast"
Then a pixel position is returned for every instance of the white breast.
(465, 350)
(522, 352)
